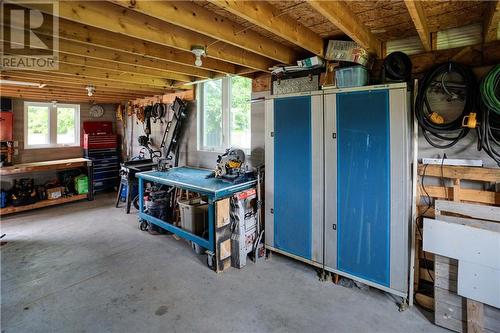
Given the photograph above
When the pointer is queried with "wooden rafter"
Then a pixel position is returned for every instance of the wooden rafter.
(119, 46)
(116, 19)
(417, 14)
(62, 91)
(492, 19)
(46, 96)
(82, 55)
(92, 36)
(266, 16)
(56, 78)
(345, 19)
(190, 16)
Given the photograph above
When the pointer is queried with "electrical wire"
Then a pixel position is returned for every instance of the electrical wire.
(488, 131)
(449, 132)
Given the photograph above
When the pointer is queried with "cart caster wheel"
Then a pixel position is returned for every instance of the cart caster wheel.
(143, 225)
(210, 261)
(269, 254)
(403, 306)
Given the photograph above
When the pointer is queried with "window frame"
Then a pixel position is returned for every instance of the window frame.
(226, 118)
(52, 125)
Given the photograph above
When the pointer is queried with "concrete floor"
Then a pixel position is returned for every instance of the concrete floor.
(85, 267)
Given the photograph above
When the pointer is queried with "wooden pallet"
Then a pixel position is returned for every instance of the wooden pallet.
(462, 179)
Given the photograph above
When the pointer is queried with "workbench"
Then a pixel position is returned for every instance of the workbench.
(53, 165)
(217, 192)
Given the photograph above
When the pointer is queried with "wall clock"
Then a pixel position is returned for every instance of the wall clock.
(96, 111)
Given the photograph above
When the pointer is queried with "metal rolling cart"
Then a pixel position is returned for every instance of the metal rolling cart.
(217, 192)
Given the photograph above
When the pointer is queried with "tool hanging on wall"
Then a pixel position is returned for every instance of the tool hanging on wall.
(434, 124)
(173, 131)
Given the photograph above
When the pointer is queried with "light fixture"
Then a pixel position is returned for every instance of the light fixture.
(54, 104)
(198, 52)
(22, 83)
(90, 90)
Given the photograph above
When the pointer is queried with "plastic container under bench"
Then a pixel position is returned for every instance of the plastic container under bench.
(354, 76)
(194, 215)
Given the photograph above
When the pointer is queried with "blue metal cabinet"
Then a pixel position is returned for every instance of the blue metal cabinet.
(292, 180)
(363, 184)
(368, 185)
(293, 175)
(338, 182)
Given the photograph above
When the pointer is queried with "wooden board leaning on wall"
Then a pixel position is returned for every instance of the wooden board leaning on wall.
(425, 270)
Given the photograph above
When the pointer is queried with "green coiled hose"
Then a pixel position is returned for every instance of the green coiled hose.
(488, 131)
(489, 88)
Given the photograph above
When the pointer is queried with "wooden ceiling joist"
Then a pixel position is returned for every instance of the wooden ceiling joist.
(190, 16)
(68, 90)
(92, 73)
(267, 17)
(58, 79)
(116, 19)
(93, 36)
(9, 91)
(75, 38)
(339, 13)
(120, 67)
(492, 19)
(417, 14)
(75, 99)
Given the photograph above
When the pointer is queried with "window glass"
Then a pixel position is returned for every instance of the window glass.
(38, 125)
(66, 125)
(224, 113)
(241, 90)
(212, 114)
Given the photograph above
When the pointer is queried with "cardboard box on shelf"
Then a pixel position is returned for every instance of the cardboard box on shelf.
(55, 192)
(339, 50)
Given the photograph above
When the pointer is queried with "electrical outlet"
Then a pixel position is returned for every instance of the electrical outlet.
(16, 152)
(16, 144)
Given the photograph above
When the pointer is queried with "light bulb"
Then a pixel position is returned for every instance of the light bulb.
(198, 62)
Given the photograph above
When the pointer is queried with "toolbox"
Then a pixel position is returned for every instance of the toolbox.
(296, 82)
(101, 146)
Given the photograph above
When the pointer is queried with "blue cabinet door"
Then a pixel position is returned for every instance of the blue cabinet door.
(292, 175)
(363, 191)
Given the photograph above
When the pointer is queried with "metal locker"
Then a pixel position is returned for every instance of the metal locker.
(294, 175)
(367, 185)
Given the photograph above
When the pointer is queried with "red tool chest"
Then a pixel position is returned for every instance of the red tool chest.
(99, 135)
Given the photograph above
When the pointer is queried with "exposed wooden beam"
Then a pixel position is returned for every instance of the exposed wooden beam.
(119, 67)
(492, 19)
(117, 42)
(62, 97)
(82, 55)
(117, 19)
(9, 90)
(267, 17)
(92, 73)
(74, 90)
(79, 39)
(190, 16)
(417, 14)
(58, 79)
(345, 19)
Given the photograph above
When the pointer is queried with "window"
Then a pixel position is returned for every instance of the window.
(49, 125)
(224, 114)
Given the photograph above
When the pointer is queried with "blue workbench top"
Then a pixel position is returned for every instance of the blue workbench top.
(195, 180)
